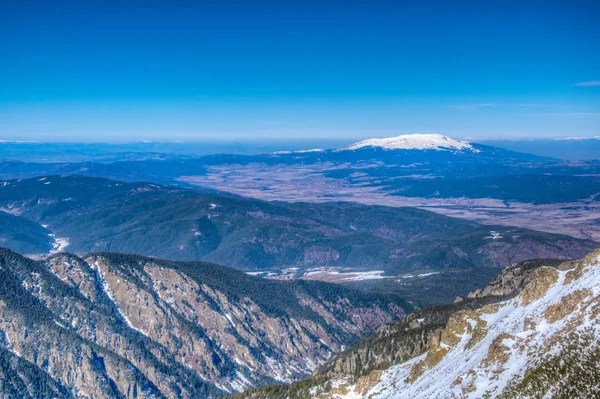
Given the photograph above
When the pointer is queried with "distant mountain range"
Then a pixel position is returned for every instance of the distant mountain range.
(568, 148)
(424, 167)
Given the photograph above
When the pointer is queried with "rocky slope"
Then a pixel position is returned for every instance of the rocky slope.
(534, 332)
(110, 325)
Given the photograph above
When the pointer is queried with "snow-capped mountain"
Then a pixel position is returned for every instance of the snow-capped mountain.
(533, 332)
(412, 142)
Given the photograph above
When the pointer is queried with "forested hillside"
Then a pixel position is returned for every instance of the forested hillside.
(113, 325)
(532, 332)
(147, 219)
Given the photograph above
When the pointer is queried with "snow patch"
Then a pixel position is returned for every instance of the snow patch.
(311, 150)
(59, 244)
(404, 276)
(228, 317)
(347, 276)
(255, 273)
(108, 293)
(298, 151)
(494, 235)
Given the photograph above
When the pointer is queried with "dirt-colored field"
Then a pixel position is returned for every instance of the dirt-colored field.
(307, 183)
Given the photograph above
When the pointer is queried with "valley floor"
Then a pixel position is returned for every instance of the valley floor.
(303, 184)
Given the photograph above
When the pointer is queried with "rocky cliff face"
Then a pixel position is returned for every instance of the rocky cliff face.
(110, 325)
(410, 337)
(533, 332)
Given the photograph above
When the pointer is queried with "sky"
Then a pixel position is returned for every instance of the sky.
(181, 70)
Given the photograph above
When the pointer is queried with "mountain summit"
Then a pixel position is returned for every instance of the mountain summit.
(412, 142)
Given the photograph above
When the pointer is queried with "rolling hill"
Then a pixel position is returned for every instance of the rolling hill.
(147, 219)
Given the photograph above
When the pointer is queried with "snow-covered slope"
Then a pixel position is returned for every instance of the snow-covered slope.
(543, 343)
(412, 142)
(533, 332)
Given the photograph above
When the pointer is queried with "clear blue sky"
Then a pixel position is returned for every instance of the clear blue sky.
(149, 70)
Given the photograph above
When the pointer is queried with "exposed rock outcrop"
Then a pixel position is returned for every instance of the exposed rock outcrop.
(111, 325)
(534, 331)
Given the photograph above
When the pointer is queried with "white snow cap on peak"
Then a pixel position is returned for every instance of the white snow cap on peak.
(412, 142)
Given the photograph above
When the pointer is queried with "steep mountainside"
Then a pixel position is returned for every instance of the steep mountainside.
(23, 235)
(147, 219)
(533, 332)
(111, 325)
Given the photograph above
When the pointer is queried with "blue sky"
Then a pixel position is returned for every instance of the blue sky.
(117, 71)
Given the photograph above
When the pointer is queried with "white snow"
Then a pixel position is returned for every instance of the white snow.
(255, 273)
(60, 324)
(359, 276)
(419, 275)
(311, 150)
(494, 235)
(228, 317)
(7, 345)
(524, 348)
(320, 272)
(428, 274)
(59, 244)
(412, 142)
(348, 276)
(279, 373)
(298, 151)
(108, 293)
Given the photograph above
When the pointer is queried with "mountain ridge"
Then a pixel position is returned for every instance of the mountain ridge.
(532, 332)
(97, 214)
(111, 325)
